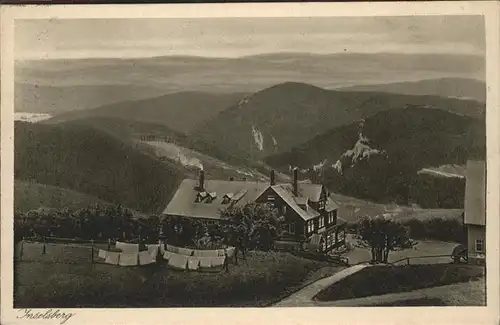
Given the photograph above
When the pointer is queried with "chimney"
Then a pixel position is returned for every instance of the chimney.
(273, 178)
(201, 185)
(295, 181)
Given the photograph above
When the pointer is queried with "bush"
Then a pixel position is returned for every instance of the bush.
(443, 229)
(436, 228)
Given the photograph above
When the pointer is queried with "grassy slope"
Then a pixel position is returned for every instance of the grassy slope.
(128, 129)
(91, 162)
(261, 279)
(29, 196)
(294, 113)
(380, 280)
(180, 111)
(460, 294)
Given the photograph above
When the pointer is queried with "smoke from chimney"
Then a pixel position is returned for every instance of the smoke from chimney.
(295, 181)
(273, 178)
(201, 184)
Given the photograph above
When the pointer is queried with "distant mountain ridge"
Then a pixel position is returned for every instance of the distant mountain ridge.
(243, 74)
(278, 118)
(180, 111)
(459, 88)
(39, 98)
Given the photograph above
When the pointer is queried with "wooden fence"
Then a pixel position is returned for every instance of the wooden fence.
(407, 259)
(60, 250)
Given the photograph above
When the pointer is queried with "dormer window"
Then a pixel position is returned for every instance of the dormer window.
(201, 196)
(226, 199)
(321, 205)
(210, 197)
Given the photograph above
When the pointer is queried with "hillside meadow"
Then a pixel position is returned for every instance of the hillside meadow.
(258, 281)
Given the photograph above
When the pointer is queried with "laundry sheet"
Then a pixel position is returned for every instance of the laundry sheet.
(217, 261)
(185, 251)
(31, 250)
(172, 249)
(167, 255)
(102, 253)
(145, 258)
(205, 262)
(194, 263)
(112, 258)
(128, 259)
(206, 253)
(153, 251)
(127, 248)
(178, 261)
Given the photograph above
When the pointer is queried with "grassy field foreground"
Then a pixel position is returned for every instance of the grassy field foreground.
(258, 281)
(379, 280)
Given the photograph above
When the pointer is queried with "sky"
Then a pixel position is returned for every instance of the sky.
(237, 37)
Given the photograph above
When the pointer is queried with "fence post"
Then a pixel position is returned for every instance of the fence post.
(408, 260)
(21, 249)
(44, 248)
(92, 251)
(109, 244)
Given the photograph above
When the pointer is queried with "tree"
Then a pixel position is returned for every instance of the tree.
(253, 225)
(383, 235)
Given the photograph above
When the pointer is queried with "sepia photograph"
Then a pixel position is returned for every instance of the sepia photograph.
(324, 161)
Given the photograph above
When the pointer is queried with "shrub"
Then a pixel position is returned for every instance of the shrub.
(443, 229)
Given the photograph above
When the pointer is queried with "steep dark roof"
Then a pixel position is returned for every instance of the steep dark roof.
(285, 191)
(184, 201)
(475, 193)
(331, 205)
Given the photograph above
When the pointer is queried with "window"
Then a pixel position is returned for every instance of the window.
(321, 222)
(310, 226)
(341, 236)
(291, 228)
(283, 209)
(321, 205)
(479, 245)
(330, 217)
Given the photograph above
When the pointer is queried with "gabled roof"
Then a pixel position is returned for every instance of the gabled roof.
(331, 205)
(184, 201)
(285, 191)
(310, 191)
(475, 193)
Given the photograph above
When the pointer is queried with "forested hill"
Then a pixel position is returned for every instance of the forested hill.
(86, 160)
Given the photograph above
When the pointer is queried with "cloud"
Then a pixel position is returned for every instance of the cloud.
(240, 37)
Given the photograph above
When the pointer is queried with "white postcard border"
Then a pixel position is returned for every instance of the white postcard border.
(288, 316)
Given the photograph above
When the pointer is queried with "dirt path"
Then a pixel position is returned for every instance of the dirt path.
(303, 297)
